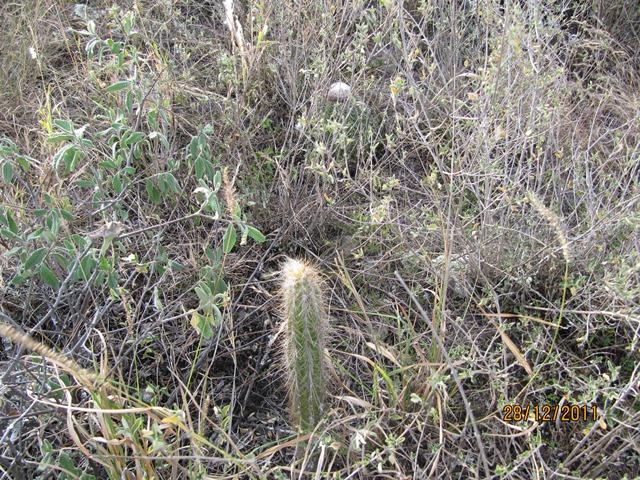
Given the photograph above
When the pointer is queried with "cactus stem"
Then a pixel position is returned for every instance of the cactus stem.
(305, 334)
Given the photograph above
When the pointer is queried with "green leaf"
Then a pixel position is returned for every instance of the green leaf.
(85, 183)
(53, 222)
(64, 125)
(193, 148)
(85, 143)
(256, 234)
(204, 294)
(128, 103)
(71, 158)
(217, 316)
(217, 180)
(116, 183)
(107, 164)
(24, 162)
(203, 324)
(244, 231)
(60, 137)
(7, 172)
(11, 223)
(49, 277)
(172, 182)
(68, 467)
(63, 153)
(175, 266)
(114, 87)
(7, 147)
(87, 265)
(128, 21)
(47, 456)
(10, 235)
(13, 252)
(162, 184)
(213, 205)
(133, 137)
(18, 280)
(157, 303)
(112, 280)
(36, 234)
(35, 259)
(67, 215)
(62, 261)
(199, 167)
(153, 192)
(219, 286)
(229, 239)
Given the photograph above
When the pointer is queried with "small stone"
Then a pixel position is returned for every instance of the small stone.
(80, 10)
(339, 91)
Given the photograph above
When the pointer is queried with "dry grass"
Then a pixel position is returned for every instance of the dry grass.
(473, 203)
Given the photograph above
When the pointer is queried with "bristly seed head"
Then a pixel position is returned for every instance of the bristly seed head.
(86, 378)
(554, 222)
(229, 194)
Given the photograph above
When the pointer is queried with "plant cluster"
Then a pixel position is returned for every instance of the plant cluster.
(461, 179)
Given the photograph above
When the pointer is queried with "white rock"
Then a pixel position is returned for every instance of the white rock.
(339, 91)
(80, 10)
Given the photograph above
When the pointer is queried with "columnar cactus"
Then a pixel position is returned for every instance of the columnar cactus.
(305, 331)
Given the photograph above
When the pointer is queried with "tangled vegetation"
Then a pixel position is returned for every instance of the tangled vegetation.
(464, 174)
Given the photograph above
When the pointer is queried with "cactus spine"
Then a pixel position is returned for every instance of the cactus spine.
(305, 324)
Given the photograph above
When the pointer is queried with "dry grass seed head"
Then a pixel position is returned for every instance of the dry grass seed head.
(554, 221)
(85, 377)
(229, 192)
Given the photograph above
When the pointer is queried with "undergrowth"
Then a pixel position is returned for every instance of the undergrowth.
(472, 203)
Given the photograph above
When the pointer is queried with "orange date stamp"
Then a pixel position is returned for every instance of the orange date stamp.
(549, 413)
